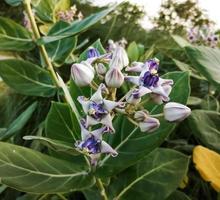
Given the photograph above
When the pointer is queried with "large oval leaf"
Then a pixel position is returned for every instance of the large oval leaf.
(14, 37)
(162, 171)
(76, 27)
(130, 143)
(205, 127)
(27, 78)
(61, 123)
(19, 122)
(207, 62)
(59, 51)
(31, 171)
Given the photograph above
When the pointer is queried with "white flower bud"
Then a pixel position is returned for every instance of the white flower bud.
(119, 58)
(141, 115)
(82, 73)
(114, 78)
(176, 112)
(100, 69)
(150, 124)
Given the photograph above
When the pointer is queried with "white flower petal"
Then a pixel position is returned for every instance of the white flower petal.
(91, 121)
(107, 121)
(106, 148)
(97, 96)
(85, 103)
(110, 105)
(133, 79)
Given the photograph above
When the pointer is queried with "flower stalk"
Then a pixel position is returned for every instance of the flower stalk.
(101, 188)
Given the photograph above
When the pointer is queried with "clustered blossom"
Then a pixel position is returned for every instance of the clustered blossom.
(110, 70)
(69, 15)
(203, 35)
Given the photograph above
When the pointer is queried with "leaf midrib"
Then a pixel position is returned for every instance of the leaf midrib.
(143, 176)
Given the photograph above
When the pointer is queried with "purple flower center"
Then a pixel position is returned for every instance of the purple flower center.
(96, 110)
(136, 94)
(93, 52)
(92, 145)
(153, 64)
(150, 79)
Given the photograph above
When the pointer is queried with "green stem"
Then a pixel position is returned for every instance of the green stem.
(43, 197)
(101, 188)
(27, 6)
(61, 196)
(58, 83)
(157, 115)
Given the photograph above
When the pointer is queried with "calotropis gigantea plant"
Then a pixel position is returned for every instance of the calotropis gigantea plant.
(104, 125)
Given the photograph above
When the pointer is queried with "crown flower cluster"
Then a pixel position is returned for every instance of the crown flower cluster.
(106, 73)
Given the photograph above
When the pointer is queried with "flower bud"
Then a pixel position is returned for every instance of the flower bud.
(141, 115)
(82, 73)
(176, 112)
(133, 97)
(119, 58)
(114, 78)
(100, 69)
(150, 124)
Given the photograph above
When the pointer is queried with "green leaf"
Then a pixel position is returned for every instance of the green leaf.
(180, 41)
(31, 171)
(19, 122)
(161, 171)
(76, 27)
(98, 45)
(133, 52)
(27, 78)
(14, 2)
(14, 37)
(56, 145)
(194, 101)
(187, 68)
(60, 50)
(205, 127)
(61, 123)
(178, 195)
(131, 144)
(207, 62)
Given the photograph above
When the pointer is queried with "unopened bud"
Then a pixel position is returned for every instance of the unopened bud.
(150, 124)
(114, 78)
(176, 112)
(82, 73)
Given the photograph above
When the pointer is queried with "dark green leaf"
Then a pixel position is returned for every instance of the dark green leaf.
(130, 143)
(207, 62)
(14, 37)
(27, 78)
(178, 195)
(153, 178)
(31, 171)
(19, 122)
(56, 145)
(76, 27)
(60, 50)
(61, 123)
(205, 127)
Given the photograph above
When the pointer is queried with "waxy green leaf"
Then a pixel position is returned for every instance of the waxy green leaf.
(27, 78)
(31, 171)
(18, 123)
(14, 37)
(162, 170)
(76, 27)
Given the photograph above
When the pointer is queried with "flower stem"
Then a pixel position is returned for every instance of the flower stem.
(27, 6)
(61, 196)
(101, 188)
(58, 82)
